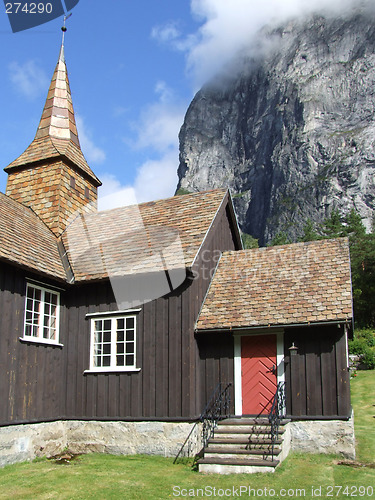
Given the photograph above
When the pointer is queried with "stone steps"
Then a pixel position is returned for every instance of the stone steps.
(242, 445)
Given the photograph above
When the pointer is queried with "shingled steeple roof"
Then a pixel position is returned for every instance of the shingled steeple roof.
(57, 134)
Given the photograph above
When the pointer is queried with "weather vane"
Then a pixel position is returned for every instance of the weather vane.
(64, 28)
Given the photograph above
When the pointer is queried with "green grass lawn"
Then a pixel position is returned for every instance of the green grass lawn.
(106, 477)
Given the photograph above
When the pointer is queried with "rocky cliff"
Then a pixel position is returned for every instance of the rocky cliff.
(292, 132)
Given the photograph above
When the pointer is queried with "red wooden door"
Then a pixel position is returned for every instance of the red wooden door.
(258, 373)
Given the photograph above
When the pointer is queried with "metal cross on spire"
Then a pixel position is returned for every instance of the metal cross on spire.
(64, 28)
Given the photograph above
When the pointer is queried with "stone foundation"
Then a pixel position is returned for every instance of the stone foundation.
(323, 436)
(19, 443)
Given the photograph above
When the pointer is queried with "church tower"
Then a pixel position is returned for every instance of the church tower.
(52, 176)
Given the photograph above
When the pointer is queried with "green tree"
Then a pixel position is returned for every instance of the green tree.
(309, 232)
(362, 254)
(354, 225)
(333, 227)
(280, 239)
(249, 241)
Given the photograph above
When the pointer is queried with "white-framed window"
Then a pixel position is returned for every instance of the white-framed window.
(42, 309)
(113, 343)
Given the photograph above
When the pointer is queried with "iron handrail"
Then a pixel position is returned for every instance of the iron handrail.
(216, 409)
(277, 412)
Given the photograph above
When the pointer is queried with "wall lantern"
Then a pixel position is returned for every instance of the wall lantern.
(293, 349)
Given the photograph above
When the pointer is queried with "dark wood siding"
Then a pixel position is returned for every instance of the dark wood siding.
(44, 383)
(317, 378)
(216, 351)
(31, 381)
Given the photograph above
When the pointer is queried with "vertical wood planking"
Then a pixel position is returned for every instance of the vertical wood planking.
(313, 377)
(328, 377)
(174, 346)
(161, 347)
(317, 379)
(342, 370)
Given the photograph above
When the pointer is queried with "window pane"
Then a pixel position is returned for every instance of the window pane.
(129, 348)
(120, 360)
(129, 323)
(120, 324)
(129, 360)
(107, 324)
(120, 336)
(120, 348)
(106, 361)
(130, 335)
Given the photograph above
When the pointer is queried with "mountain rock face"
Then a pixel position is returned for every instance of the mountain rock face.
(292, 133)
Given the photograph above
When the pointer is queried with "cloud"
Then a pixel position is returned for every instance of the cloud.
(112, 194)
(166, 33)
(29, 79)
(228, 27)
(155, 179)
(156, 132)
(91, 152)
(160, 122)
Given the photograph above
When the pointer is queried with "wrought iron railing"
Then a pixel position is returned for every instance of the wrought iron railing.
(216, 409)
(277, 413)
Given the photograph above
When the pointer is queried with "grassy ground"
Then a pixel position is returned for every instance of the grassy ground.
(363, 401)
(106, 477)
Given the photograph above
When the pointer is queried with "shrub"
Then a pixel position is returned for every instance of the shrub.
(363, 345)
(358, 346)
(368, 359)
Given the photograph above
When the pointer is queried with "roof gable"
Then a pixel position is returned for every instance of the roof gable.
(149, 237)
(282, 285)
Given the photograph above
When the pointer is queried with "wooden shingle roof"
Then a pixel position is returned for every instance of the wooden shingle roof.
(26, 241)
(148, 237)
(300, 283)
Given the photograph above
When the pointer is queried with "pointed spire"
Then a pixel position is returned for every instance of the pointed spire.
(58, 119)
(56, 135)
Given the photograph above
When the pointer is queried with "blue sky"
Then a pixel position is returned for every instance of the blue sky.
(133, 68)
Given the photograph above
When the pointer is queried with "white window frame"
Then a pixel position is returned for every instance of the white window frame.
(39, 315)
(113, 354)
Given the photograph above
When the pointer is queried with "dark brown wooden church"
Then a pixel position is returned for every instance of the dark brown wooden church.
(131, 318)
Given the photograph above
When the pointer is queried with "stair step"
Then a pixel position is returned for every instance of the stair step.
(245, 429)
(238, 461)
(240, 451)
(247, 441)
(249, 421)
(244, 421)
